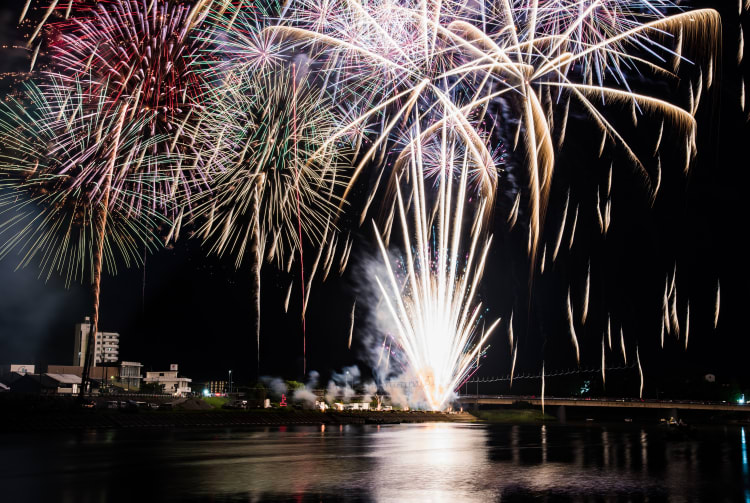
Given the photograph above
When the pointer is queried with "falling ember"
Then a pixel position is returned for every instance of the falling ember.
(586, 295)
(435, 314)
(665, 307)
(351, 329)
(573, 337)
(687, 323)
(604, 377)
(741, 48)
(658, 138)
(562, 227)
(573, 229)
(675, 319)
(36, 53)
(607, 215)
(718, 303)
(622, 346)
(513, 216)
(661, 335)
(609, 331)
(640, 371)
(288, 296)
(542, 388)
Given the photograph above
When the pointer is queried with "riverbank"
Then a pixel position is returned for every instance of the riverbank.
(104, 419)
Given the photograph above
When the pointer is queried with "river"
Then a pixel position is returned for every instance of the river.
(416, 462)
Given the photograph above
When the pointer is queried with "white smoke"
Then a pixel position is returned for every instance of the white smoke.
(277, 385)
(306, 395)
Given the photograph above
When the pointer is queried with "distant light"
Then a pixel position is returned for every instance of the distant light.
(741, 400)
(206, 392)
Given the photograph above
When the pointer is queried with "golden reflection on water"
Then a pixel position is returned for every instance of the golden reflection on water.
(435, 462)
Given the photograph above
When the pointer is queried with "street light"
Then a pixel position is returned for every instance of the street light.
(230, 381)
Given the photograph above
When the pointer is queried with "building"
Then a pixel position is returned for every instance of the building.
(216, 387)
(130, 375)
(18, 368)
(48, 384)
(172, 384)
(126, 375)
(106, 345)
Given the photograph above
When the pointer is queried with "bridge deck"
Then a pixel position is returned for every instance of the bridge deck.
(622, 403)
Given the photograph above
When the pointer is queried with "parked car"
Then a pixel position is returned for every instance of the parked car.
(153, 406)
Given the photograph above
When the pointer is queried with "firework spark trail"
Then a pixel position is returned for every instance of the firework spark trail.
(573, 228)
(661, 334)
(640, 371)
(665, 307)
(513, 216)
(101, 224)
(435, 315)
(604, 377)
(585, 312)
(543, 388)
(599, 212)
(562, 226)
(351, 328)
(257, 263)
(718, 304)
(571, 327)
(295, 161)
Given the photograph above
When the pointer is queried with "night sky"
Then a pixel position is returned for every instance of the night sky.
(196, 310)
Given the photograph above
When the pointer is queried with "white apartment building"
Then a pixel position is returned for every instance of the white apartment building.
(176, 386)
(106, 345)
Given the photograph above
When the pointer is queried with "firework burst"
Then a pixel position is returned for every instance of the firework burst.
(455, 61)
(138, 55)
(259, 130)
(63, 161)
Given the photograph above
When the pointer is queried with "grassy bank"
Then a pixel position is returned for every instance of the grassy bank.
(215, 401)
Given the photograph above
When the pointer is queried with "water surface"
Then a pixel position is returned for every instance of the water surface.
(415, 462)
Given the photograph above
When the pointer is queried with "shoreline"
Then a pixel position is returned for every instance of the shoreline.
(28, 421)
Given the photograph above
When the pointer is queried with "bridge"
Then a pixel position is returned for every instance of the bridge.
(634, 403)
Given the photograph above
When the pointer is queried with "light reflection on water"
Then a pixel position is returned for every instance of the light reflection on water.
(420, 462)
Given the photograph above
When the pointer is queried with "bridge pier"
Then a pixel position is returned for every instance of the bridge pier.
(561, 416)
